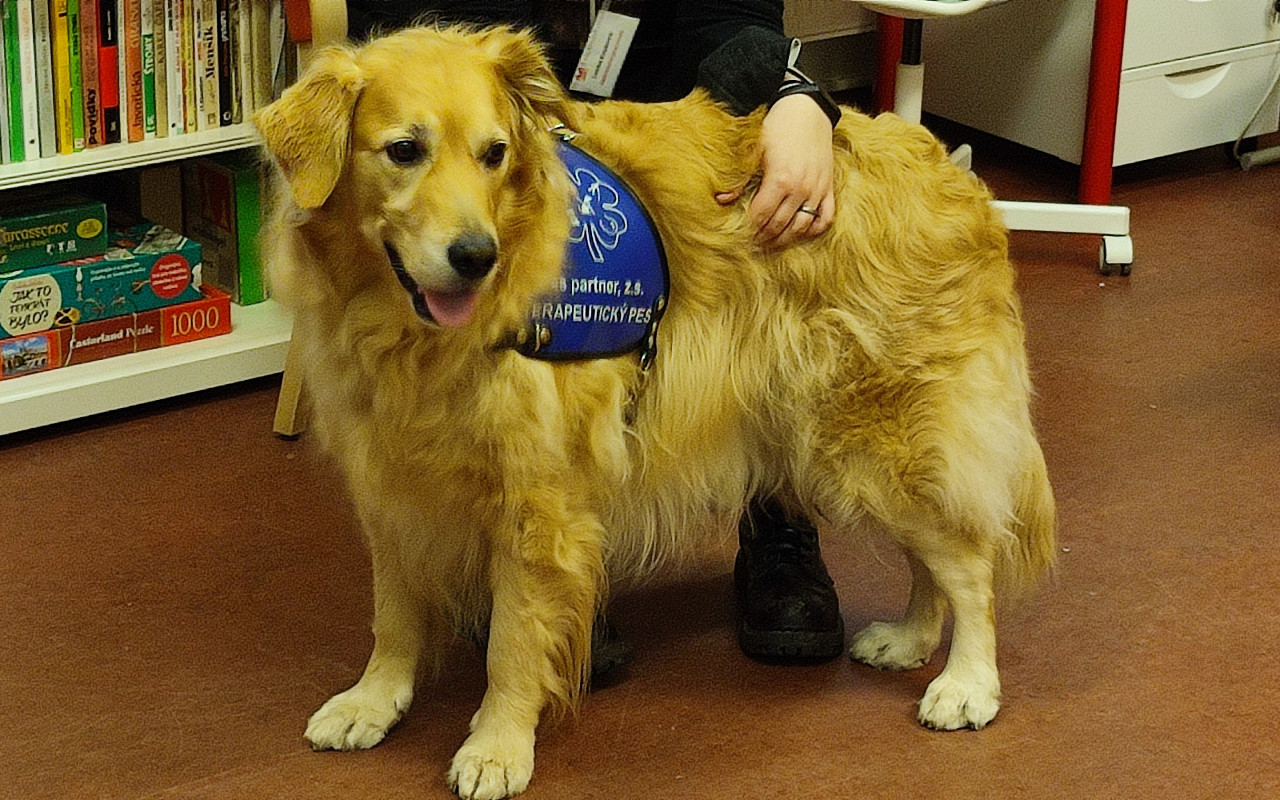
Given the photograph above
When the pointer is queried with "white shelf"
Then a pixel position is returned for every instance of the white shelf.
(108, 157)
(255, 347)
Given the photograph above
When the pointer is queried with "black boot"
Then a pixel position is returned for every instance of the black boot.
(609, 651)
(787, 604)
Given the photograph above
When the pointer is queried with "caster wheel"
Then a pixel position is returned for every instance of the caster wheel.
(1115, 255)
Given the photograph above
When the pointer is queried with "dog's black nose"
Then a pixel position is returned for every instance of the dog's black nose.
(472, 255)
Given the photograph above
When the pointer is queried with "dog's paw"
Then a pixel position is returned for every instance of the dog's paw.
(895, 646)
(357, 719)
(950, 705)
(488, 767)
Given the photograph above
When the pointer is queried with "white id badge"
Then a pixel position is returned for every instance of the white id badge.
(602, 58)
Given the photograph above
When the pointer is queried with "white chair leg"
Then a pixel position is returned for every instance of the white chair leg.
(1064, 217)
(908, 92)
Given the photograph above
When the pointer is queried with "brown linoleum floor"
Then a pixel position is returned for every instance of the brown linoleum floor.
(180, 589)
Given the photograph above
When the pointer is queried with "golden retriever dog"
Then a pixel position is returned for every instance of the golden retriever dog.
(876, 374)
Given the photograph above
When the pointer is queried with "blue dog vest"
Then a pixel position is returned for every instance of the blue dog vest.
(614, 286)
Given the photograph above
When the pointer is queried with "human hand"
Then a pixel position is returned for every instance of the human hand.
(796, 197)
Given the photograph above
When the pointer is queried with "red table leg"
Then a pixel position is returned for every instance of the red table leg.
(888, 53)
(1105, 62)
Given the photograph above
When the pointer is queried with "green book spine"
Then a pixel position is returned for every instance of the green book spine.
(148, 68)
(249, 182)
(13, 76)
(73, 67)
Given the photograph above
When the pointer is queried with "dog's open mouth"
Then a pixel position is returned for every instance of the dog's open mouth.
(449, 309)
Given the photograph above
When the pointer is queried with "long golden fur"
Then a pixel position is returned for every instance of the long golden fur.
(875, 373)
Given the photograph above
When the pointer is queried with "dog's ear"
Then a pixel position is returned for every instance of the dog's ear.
(308, 130)
(523, 65)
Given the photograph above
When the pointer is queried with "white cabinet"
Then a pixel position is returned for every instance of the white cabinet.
(1194, 74)
(815, 20)
(255, 347)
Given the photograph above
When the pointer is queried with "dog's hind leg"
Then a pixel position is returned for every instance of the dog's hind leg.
(948, 568)
(910, 642)
(967, 692)
(360, 717)
(545, 576)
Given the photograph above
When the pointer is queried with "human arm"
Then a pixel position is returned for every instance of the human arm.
(796, 197)
(744, 60)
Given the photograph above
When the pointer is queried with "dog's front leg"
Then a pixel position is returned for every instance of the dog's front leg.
(360, 717)
(545, 585)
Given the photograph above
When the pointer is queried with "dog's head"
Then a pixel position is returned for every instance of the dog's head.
(431, 145)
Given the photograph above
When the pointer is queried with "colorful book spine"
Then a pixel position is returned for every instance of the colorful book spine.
(91, 82)
(160, 74)
(109, 69)
(242, 47)
(173, 66)
(190, 109)
(260, 36)
(207, 63)
(5, 154)
(134, 108)
(44, 78)
(147, 32)
(283, 53)
(61, 76)
(13, 80)
(77, 77)
(27, 68)
(226, 94)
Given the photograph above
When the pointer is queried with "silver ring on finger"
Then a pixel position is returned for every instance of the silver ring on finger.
(807, 210)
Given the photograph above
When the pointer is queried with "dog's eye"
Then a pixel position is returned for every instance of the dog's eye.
(404, 151)
(494, 156)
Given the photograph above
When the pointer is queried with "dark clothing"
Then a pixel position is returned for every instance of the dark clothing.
(735, 49)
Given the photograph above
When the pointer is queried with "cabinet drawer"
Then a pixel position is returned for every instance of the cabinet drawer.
(1166, 30)
(1196, 102)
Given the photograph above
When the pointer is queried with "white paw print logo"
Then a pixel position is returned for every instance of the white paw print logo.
(597, 221)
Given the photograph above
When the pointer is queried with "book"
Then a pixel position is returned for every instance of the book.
(147, 38)
(242, 69)
(226, 63)
(160, 74)
(13, 81)
(5, 144)
(44, 77)
(134, 108)
(284, 54)
(77, 77)
(27, 68)
(61, 75)
(190, 110)
(173, 66)
(222, 209)
(90, 81)
(260, 45)
(109, 68)
(206, 28)
(81, 343)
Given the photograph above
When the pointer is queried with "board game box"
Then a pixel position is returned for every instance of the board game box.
(146, 266)
(42, 227)
(92, 341)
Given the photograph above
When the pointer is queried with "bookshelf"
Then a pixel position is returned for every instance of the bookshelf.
(255, 347)
(108, 157)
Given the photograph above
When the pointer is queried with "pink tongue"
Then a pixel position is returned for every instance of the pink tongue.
(451, 309)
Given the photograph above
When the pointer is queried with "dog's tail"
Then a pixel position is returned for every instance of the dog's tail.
(1034, 549)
